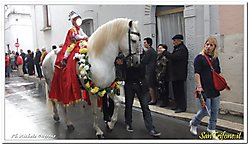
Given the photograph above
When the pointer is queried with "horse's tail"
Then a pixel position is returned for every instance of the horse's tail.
(48, 71)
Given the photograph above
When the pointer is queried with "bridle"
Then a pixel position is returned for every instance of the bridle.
(129, 40)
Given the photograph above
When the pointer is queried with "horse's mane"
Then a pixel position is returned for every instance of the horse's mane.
(110, 31)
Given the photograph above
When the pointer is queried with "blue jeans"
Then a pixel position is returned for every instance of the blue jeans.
(213, 105)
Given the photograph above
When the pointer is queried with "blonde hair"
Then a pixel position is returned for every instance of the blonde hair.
(213, 41)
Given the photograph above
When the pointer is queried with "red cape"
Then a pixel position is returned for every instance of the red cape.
(65, 87)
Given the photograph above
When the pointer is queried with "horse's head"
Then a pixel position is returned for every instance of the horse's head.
(131, 42)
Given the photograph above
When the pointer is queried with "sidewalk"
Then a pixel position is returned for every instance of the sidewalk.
(226, 124)
(222, 124)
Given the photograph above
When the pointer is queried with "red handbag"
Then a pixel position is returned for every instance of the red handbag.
(219, 82)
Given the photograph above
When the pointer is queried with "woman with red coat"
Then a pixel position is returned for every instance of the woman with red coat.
(65, 86)
(19, 63)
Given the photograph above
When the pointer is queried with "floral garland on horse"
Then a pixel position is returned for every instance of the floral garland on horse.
(86, 75)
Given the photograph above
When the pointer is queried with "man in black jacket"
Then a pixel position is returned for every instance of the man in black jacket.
(136, 85)
(37, 62)
(23, 55)
(179, 63)
(149, 60)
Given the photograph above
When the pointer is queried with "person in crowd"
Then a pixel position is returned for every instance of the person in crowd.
(136, 85)
(12, 60)
(162, 75)
(55, 47)
(65, 83)
(23, 55)
(150, 61)
(37, 62)
(7, 65)
(19, 64)
(44, 53)
(204, 86)
(179, 64)
(30, 63)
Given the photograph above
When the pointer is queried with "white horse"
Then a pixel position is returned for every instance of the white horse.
(118, 35)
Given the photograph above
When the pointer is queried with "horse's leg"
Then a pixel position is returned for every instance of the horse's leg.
(94, 101)
(117, 104)
(67, 121)
(55, 111)
(114, 118)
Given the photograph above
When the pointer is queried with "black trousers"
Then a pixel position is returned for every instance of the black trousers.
(24, 68)
(163, 92)
(130, 90)
(107, 107)
(179, 94)
(38, 69)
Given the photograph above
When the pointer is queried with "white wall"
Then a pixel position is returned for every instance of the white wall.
(99, 13)
(18, 26)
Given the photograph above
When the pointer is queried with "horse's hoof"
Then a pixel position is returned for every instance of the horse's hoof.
(100, 136)
(108, 127)
(70, 127)
(56, 118)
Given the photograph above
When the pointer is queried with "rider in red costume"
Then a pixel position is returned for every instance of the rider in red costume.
(65, 86)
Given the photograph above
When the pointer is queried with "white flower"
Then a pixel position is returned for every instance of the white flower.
(82, 61)
(82, 65)
(76, 56)
(86, 67)
(81, 45)
(83, 72)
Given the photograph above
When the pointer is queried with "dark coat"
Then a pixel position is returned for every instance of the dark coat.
(38, 55)
(178, 60)
(120, 68)
(23, 55)
(162, 67)
(149, 59)
(30, 64)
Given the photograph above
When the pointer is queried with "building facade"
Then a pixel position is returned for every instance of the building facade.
(161, 22)
(18, 28)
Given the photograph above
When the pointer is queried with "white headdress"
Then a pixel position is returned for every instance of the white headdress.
(72, 15)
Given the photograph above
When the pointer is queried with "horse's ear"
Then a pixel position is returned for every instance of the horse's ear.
(130, 23)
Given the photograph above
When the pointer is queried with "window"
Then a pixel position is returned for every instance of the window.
(170, 21)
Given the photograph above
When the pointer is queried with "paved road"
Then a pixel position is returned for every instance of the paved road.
(27, 117)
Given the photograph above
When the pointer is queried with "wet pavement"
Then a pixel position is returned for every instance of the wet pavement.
(27, 117)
